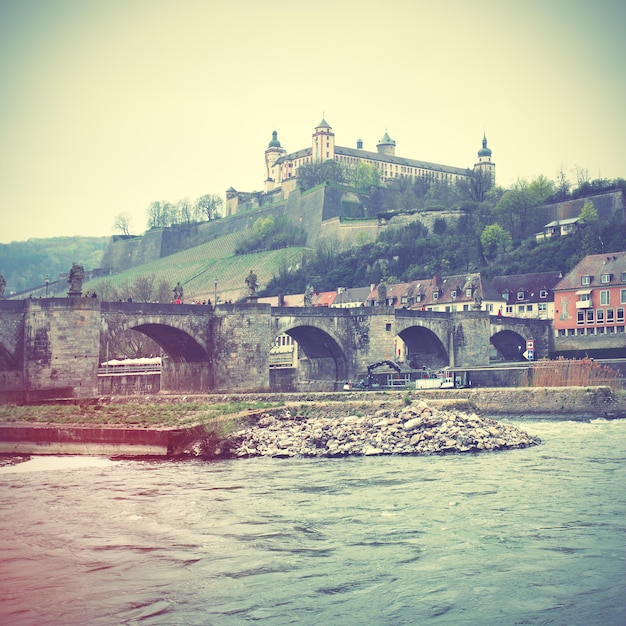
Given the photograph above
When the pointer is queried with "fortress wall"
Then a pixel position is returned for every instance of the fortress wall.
(605, 204)
(120, 254)
(350, 233)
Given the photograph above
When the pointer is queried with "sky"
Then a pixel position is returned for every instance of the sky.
(109, 105)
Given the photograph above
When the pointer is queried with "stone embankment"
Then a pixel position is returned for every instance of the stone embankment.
(395, 429)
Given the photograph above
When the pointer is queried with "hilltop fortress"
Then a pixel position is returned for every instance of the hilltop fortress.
(282, 168)
(343, 212)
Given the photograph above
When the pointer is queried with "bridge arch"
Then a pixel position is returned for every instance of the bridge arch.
(321, 359)
(186, 365)
(423, 348)
(509, 345)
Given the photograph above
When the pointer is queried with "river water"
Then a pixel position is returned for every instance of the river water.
(532, 536)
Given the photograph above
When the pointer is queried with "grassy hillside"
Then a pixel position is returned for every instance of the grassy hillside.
(197, 268)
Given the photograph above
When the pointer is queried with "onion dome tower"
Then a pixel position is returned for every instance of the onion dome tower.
(272, 154)
(484, 164)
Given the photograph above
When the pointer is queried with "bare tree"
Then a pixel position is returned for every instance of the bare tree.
(208, 207)
(122, 223)
(185, 211)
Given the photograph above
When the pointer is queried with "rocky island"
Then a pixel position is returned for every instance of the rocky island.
(393, 428)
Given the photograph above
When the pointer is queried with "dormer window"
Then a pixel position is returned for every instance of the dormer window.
(606, 278)
(453, 293)
(435, 295)
(585, 281)
(543, 293)
(468, 292)
(520, 295)
(418, 297)
(505, 296)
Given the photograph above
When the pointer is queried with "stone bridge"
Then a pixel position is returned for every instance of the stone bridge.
(57, 344)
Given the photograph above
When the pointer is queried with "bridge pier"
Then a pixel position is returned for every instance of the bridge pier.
(61, 345)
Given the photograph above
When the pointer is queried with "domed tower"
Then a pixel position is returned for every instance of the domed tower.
(272, 154)
(485, 164)
(323, 142)
(386, 145)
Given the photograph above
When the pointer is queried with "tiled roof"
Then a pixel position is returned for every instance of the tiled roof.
(350, 296)
(531, 284)
(444, 286)
(595, 266)
(377, 156)
(396, 160)
(324, 298)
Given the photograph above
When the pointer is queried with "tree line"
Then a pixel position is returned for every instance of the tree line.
(495, 236)
(162, 214)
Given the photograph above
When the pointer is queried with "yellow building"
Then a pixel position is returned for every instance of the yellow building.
(282, 167)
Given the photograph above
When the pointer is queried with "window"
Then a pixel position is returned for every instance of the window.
(543, 293)
(388, 327)
(605, 278)
(529, 308)
(610, 316)
(453, 293)
(468, 292)
(435, 295)
(581, 317)
(520, 308)
(620, 315)
(509, 309)
(520, 295)
(622, 296)
(605, 297)
(585, 297)
(590, 316)
(585, 280)
(505, 296)
(542, 307)
(600, 316)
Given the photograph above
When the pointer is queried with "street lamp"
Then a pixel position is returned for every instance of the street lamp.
(215, 292)
(47, 283)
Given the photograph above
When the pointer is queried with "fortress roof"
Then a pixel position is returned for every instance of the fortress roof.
(377, 156)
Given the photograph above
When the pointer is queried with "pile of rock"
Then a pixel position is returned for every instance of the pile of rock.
(413, 429)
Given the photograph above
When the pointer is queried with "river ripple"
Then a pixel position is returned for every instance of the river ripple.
(533, 536)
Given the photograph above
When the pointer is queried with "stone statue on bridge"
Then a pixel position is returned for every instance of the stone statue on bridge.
(382, 295)
(178, 293)
(478, 300)
(75, 280)
(252, 283)
(308, 295)
(3, 284)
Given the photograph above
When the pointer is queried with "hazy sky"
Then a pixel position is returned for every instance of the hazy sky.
(108, 105)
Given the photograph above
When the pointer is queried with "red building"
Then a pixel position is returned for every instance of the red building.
(590, 301)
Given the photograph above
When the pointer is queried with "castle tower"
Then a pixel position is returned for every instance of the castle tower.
(323, 142)
(386, 145)
(485, 164)
(272, 154)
